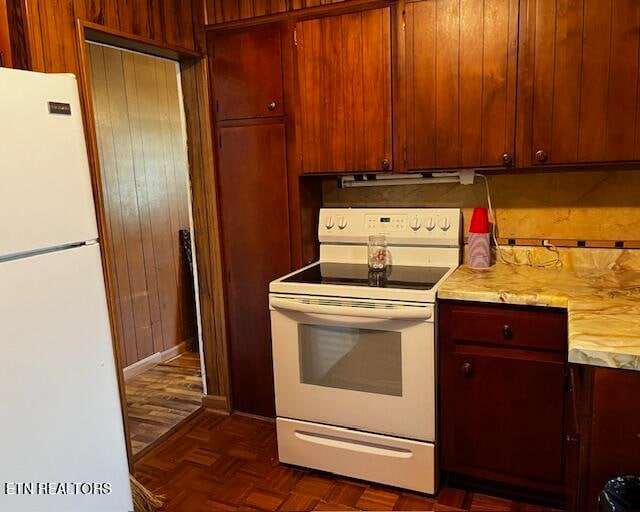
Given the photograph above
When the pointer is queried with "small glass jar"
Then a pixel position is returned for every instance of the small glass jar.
(377, 252)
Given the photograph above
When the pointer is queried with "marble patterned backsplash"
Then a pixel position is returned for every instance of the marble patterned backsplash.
(593, 205)
(575, 259)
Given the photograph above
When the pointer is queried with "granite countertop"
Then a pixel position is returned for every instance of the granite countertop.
(600, 288)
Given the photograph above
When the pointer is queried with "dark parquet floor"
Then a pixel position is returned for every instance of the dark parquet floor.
(229, 463)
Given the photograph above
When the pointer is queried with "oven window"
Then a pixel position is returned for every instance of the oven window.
(351, 358)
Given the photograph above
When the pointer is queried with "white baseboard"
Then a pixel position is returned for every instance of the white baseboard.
(148, 362)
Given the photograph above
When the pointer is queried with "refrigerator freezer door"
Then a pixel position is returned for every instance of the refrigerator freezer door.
(60, 416)
(45, 188)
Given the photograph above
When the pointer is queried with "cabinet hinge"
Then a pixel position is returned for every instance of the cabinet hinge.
(217, 106)
(404, 154)
(220, 141)
(295, 37)
(404, 21)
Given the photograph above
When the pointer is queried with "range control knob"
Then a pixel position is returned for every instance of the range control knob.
(444, 224)
(429, 223)
(415, 224)
(328, 223)
(342, 222)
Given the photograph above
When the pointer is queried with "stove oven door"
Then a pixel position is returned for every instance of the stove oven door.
(363, 364)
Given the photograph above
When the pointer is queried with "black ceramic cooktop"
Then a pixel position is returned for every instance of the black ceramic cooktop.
(413, 278)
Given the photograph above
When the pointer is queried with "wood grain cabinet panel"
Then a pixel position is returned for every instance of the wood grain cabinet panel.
(606, 423)
(344, 88)
(456, 84)
(247, 72)
(502, 406)
(255, 231)
(579, 74)
(5, 41)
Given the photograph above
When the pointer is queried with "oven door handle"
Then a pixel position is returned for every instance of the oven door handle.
(396, 313)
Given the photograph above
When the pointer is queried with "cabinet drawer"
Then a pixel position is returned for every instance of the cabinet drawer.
(540, 329)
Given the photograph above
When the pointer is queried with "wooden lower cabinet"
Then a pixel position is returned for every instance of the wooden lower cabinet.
(502, 395)
(252, 180)
(604, 428)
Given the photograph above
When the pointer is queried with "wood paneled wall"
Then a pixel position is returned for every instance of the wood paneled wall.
(52, 43)
(220, 11)
(144, 174)
(168, 21)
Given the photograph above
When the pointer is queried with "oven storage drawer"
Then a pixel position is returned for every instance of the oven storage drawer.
(377, 458)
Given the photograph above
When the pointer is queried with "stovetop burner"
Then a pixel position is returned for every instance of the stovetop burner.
(351, 274)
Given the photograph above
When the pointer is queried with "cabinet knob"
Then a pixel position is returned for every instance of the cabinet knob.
(507, 158)
(271, 106)
(385, 164)
(507, 332)
(467, 368)
(541, 156)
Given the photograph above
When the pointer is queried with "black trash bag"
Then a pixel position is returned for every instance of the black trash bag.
(621, 494)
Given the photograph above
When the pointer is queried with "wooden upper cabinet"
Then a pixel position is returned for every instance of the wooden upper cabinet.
(344, 92)
(247, 74)
(579, 73)
(456, 84)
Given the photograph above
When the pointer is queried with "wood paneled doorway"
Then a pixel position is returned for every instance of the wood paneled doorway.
(139, 119)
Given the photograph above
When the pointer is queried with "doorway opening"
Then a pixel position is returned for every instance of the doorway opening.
(140, 126)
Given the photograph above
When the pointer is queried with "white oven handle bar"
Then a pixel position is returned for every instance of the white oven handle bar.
(406, 313)
(372, 449)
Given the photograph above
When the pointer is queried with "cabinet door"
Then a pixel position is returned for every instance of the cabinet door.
(615, 424)
(579, 74)
(344, 88)
(255, 231)
(247, 74)
(455, 103)
(503, 417)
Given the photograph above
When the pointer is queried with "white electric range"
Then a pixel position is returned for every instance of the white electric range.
(354, 350)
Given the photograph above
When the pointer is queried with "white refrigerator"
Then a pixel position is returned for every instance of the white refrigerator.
(62, 445)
